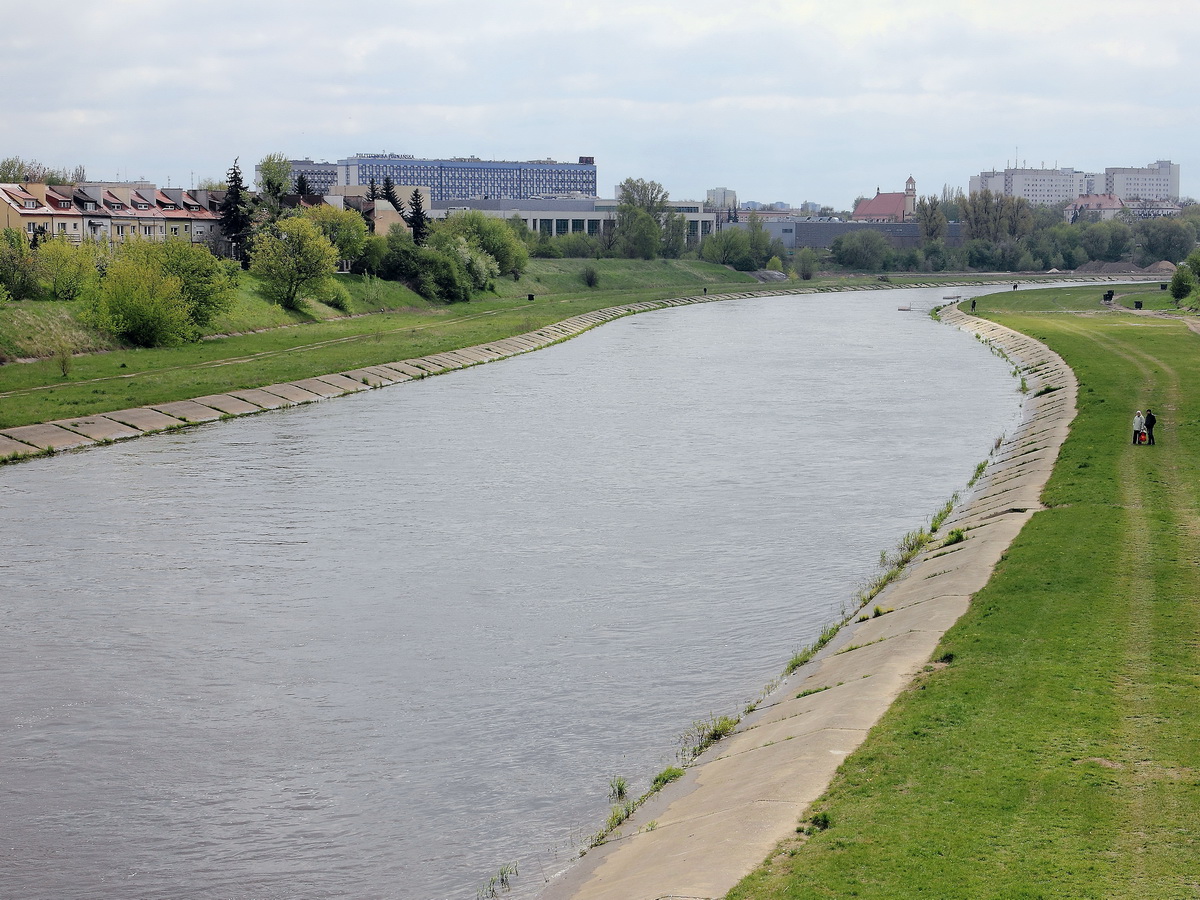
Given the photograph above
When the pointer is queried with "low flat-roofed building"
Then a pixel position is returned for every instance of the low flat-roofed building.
(555, 217)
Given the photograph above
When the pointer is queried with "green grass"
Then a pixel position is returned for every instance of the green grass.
(1054, 755)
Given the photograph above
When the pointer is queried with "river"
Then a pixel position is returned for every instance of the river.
(381, 646)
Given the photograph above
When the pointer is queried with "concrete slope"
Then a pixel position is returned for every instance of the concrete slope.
(703, 834)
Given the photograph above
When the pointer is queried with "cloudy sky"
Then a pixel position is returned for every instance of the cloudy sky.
(777, 99)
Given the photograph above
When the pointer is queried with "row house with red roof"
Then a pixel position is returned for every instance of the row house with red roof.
(24, 211)
(108, 211)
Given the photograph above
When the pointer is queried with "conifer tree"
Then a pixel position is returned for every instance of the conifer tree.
(302, 185)
(389, 194)
(416, 218)
(235, 211)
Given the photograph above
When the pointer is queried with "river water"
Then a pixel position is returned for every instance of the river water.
(380, 646)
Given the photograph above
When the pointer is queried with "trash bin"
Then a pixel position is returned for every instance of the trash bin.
(1137, 304)
(531, 298)
(1163, 286)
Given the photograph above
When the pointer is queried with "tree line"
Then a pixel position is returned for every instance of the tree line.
(1004, 233)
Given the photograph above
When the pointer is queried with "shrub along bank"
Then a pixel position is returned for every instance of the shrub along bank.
(1055, 755)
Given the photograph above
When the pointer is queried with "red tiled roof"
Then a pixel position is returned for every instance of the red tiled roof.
(881, 206)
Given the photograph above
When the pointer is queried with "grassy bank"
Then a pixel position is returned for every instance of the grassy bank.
(261, 343)
(1054, 757)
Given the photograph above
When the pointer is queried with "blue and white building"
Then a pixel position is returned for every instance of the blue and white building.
(470, 177)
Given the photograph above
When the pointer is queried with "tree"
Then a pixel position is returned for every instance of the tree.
(1169, 239)
(864, 249)
(638, 234)
(208, 285)
(931, 220)
(68, 268)
(1193, 262)
(989, 217)
(633, 236)
(494, 236)
(674, 235)
(759, 240)
(806, 263)
(1107, 241)
(727, 247)
(1183, 282)
(416, 218)
(234, 211)
(389, 194)
(344, 228)
(479, 265)
(18, 266)
(291, 258)
(302, 185)
(274, 175)
(372, 190)
(647, 195)
(139, 302)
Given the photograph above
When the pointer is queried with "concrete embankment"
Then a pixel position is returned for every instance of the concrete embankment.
(698, 837)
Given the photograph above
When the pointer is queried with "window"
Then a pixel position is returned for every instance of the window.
(62, 226)
(175, 229)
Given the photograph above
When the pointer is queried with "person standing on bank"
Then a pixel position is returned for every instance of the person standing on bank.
(1149, 421)
(1138, 424)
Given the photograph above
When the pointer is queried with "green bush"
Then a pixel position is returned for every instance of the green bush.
(141, 304)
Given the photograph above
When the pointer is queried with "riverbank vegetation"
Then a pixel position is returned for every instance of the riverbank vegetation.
(1051, 754)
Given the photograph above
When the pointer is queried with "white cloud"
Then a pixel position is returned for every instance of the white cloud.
(779, 99)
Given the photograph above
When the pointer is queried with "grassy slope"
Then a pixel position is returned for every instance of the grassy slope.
(1055, 756)
(318, 343)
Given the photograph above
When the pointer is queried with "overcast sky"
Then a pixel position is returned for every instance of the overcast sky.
(777, 99)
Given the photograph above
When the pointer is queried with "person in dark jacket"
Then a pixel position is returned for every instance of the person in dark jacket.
(1150, 420)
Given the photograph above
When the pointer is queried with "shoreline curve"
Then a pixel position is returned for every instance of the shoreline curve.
(698, 837)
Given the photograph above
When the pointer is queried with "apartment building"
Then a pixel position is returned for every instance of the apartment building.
(1047, 187)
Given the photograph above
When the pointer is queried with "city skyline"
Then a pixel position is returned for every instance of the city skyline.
(796, 101)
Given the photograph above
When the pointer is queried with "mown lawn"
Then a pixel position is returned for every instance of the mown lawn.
(1056, 756)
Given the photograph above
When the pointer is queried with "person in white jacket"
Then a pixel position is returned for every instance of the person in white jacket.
(1139, 425)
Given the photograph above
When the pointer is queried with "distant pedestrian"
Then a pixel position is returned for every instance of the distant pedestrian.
(1149, 423)
(972, 304)
(1139, 424)
(1014, 287)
